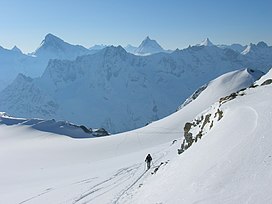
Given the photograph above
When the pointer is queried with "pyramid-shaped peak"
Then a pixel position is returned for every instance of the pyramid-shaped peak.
(206, 42)
(51, 38)
(149, 40)
(51, 42)
(149, 46)
(16, 49)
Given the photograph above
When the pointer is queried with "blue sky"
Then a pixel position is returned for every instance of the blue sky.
(173, 23)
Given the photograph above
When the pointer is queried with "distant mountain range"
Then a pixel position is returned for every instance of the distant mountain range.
(13, 61)
(120, 91)
(110, 88)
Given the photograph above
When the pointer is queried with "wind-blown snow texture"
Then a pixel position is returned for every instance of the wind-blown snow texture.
(230, 164)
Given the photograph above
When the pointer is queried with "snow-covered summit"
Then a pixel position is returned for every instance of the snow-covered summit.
(149, 46)
(255, 48)
(16, 49)
(206, 42)
(258, 56)
(51, 40)
(52, 47)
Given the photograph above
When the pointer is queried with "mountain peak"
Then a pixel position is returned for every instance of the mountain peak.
(112, 50)
(206, 42)
(148, 41)
(16, 49)
(51, 39)
(149, 46)
(253, 47)
(147, 38)
(262, 44)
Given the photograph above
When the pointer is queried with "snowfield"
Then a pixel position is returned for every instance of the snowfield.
(231, 163)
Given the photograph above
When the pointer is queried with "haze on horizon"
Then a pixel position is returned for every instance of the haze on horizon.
(174, 24)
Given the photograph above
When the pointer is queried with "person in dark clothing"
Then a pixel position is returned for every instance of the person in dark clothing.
(148, 160)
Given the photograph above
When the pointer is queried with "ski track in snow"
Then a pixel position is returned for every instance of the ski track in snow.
(155, 164)
(130, 175)
(123, 181)
(105, 186)
(30, 199)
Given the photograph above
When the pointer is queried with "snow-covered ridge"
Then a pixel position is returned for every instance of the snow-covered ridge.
(206, 120)
(240, 78)
(231, 163)
(53, 126)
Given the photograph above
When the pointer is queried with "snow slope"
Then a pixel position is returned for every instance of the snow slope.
(42, 167)
(114, 89)
(231, 163)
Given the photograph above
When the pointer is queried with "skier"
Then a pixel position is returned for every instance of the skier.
(148, 160)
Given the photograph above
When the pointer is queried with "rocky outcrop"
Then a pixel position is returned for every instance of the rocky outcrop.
(195, 130)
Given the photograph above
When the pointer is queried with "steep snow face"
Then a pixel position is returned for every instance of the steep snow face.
(148, 47)
(119, 91)
(231, 163)
(227, 84)
(266, 79)
(206, 96)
